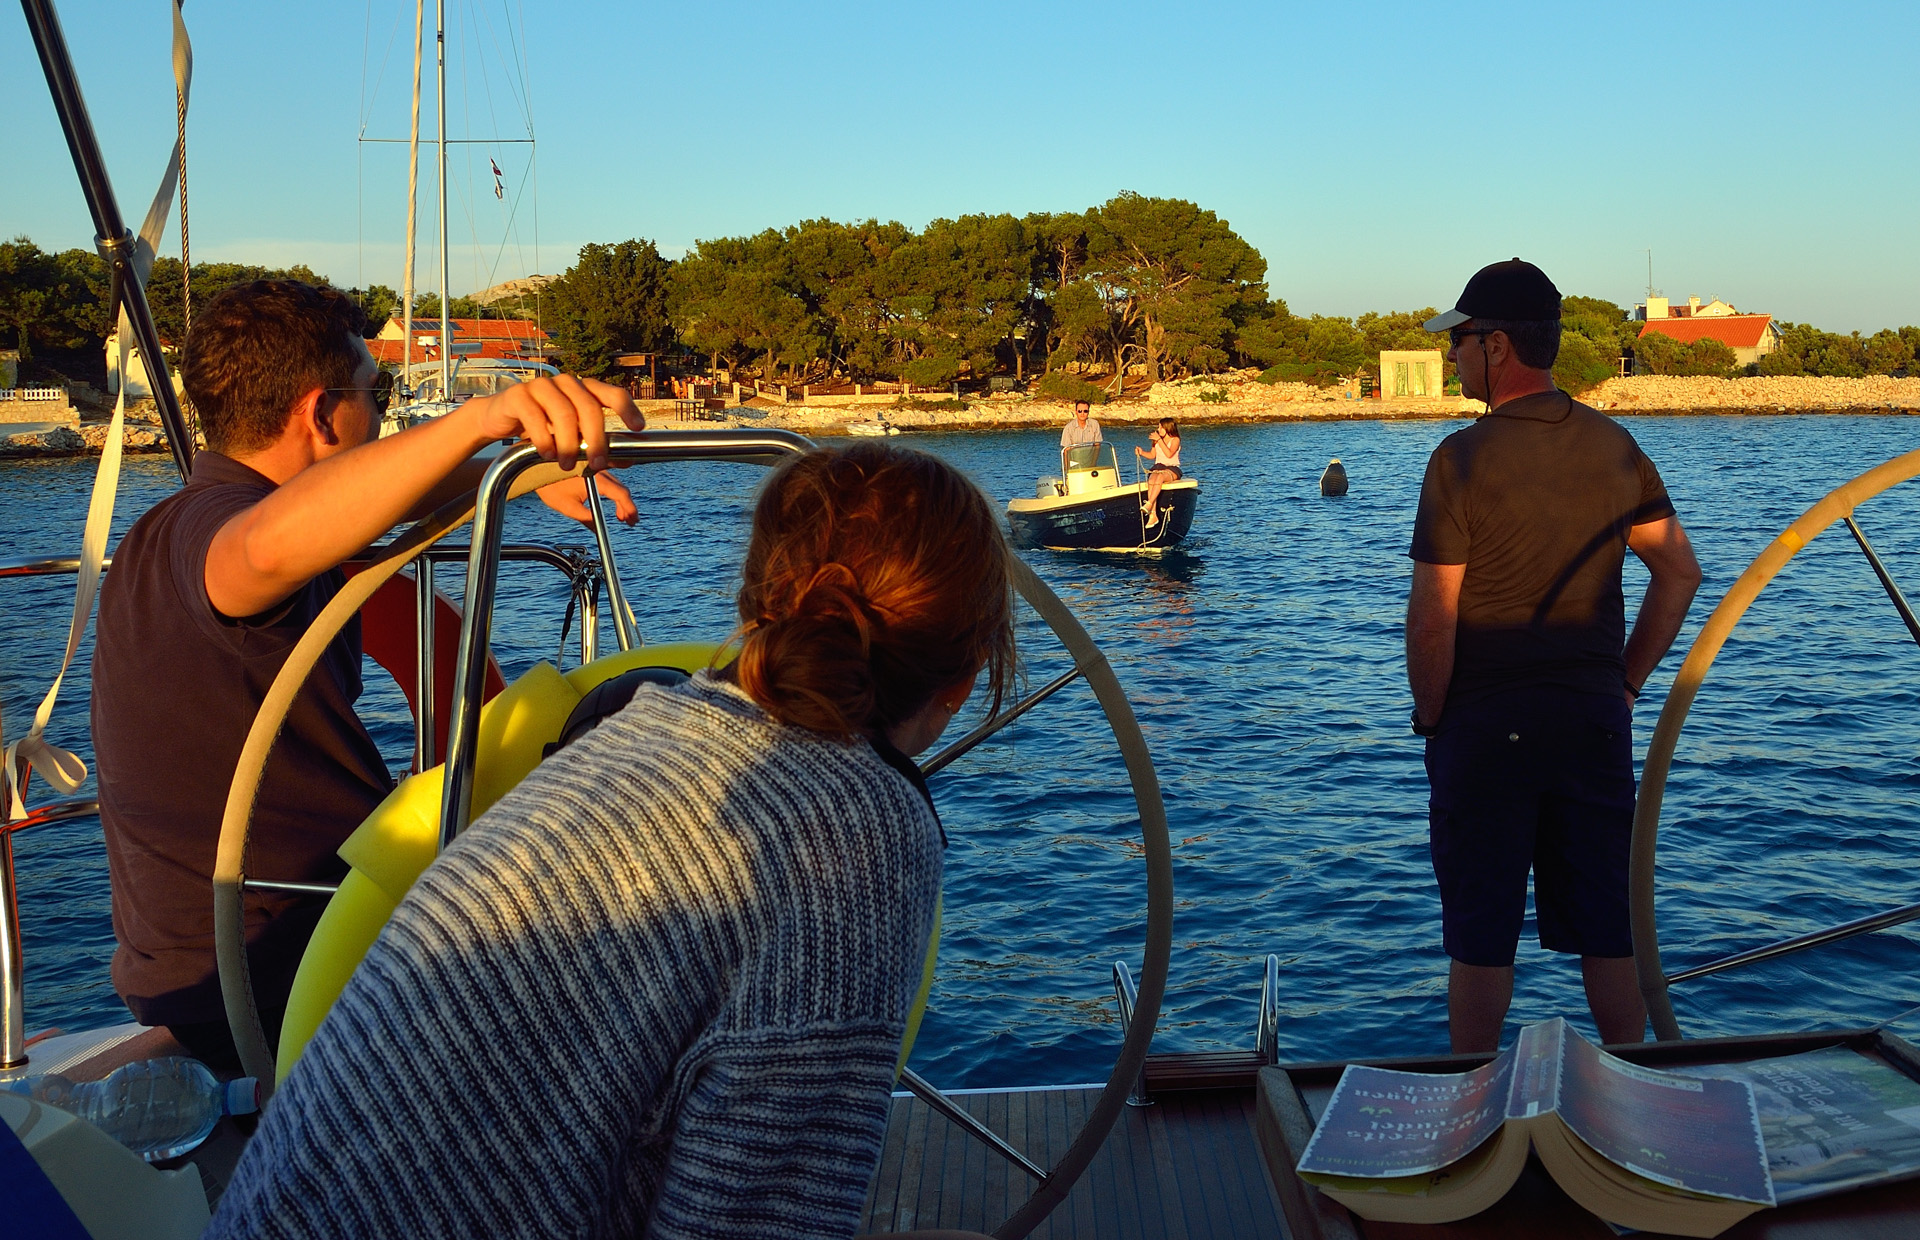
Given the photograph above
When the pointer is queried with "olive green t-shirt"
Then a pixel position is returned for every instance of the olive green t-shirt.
(1536, 499)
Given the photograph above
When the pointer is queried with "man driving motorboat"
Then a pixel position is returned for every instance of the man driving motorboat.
(211, 589)
(1083, 430)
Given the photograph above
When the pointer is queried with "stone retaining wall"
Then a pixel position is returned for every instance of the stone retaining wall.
(1765, 394)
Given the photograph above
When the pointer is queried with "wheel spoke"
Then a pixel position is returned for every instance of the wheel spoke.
(925, 1090)
(1886, 578)
(960, 747)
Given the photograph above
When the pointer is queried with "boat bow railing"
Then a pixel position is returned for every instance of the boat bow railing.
(13, 1013)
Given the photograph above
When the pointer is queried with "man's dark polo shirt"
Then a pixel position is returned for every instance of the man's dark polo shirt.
(1536, 499)
(175, 688)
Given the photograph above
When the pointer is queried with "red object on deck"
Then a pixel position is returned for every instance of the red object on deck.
(387, 636)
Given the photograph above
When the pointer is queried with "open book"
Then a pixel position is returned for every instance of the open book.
(1654, 1151)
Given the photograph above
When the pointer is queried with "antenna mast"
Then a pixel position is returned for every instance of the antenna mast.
(446, 326)
(413, 190)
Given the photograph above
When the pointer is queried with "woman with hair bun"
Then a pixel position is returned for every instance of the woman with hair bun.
(661, 986)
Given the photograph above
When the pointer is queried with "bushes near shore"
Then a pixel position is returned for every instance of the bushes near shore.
(1061, 386)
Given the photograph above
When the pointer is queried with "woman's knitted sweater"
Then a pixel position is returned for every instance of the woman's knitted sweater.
(658, 989)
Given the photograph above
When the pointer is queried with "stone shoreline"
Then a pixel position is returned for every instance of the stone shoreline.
(1229, 399)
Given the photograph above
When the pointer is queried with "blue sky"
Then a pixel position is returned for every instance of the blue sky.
(1768, 153)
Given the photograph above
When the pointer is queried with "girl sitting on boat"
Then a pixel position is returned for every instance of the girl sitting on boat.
(1164, 467)
(661, 986)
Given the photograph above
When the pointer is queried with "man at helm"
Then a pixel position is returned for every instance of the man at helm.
(1523, 673)
(211, 589)
(1082, 430)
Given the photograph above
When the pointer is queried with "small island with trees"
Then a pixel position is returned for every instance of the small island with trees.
(1138, 297)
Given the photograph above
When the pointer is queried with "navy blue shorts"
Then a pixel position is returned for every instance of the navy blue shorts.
(1539, 782)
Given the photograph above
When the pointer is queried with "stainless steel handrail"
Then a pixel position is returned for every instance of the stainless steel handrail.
(44, 565)
(1786, 947)
(1127, 998)
(489, 515)
(1266, 1035)
(626, 632)
(303, 889)
(13, 981)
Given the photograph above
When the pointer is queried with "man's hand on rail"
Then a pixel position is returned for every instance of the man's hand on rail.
(568, 497)
(563, 417)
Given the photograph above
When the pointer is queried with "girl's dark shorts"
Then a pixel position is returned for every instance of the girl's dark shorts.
(1538, 781)
(1168, 469)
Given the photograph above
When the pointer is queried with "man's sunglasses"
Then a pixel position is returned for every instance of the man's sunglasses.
(1457, 334)
(382, 391)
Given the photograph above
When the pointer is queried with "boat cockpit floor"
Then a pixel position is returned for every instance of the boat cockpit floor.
(1187, 1167)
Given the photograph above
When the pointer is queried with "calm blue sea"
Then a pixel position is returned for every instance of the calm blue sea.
(1265, 663)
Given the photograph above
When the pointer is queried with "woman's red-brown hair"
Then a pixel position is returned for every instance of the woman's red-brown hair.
(875, 577)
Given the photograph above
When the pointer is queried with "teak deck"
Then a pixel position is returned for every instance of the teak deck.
(1186, 1168)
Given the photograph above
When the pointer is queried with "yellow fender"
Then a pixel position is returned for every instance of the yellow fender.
(401, 837)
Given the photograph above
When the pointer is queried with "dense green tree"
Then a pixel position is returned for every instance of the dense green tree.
(613, 300)
(1176, 276)
(841, 274)
(1267, 335)
(426, 308)
(380, 304)
(1582, 364)
(1663, 355)
(1604, 325)
(1060, 256)
(736, 299)
(52, 302)
(167, 299)
(1806, 350)
(960, 288)
(1887, 351)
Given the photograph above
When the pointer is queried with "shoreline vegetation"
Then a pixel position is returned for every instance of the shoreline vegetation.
(1245, 401)
(1154, 304)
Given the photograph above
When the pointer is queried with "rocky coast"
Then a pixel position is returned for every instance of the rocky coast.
(1207, 399)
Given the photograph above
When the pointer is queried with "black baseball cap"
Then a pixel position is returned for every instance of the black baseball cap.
(1512, 290)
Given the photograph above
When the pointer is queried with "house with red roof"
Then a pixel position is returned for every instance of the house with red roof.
(515, 339)
(1750, 336)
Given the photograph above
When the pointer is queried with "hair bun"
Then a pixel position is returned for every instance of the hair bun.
(875, 577)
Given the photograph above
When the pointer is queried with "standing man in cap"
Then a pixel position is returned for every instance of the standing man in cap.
(1523, 673)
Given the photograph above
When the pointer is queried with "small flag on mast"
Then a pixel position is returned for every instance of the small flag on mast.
(499, 191)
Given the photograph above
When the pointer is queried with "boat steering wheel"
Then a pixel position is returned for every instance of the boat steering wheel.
(519, 470)
(1838, 505)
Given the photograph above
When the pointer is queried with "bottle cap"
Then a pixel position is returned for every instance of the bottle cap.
(243, 1096)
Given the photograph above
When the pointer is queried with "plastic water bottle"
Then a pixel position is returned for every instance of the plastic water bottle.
(160, 1108)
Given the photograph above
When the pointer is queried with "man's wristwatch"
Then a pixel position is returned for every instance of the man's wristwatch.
(1421, 729)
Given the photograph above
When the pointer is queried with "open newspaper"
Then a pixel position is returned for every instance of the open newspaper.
(1653, 1151)
(1833, 1120)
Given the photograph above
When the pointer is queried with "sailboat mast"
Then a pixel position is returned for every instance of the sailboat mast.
(446, 333)
(413, 188)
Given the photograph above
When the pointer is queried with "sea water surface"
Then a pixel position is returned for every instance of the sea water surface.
(1264, 661)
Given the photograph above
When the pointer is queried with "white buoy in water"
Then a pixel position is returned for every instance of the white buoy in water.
(1333, 480)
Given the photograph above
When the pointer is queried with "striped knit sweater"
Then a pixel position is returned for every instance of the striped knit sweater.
(657, 990)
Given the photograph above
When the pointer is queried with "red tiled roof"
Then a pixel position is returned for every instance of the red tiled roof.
(1736, 331)
(484, 329)
(393, 352)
